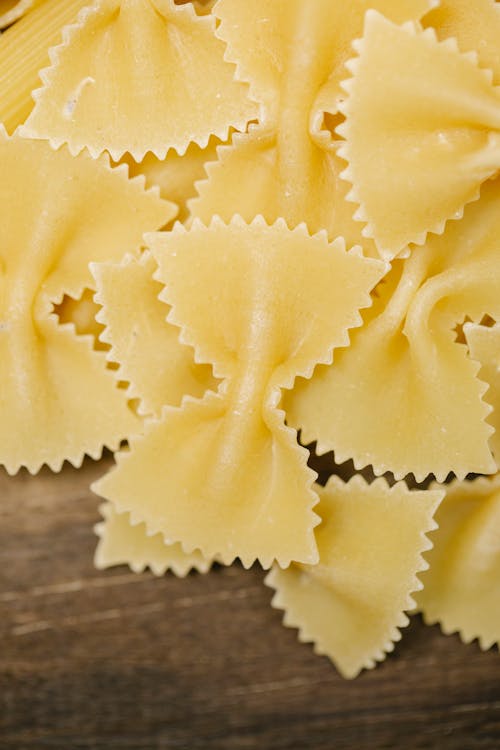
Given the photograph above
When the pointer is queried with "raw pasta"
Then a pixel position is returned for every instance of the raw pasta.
(175, 175)
(157, 367)
(461, 586)
(245, 301)
(335, 281)
(484, 347)
(293, 54)
(444, 133)
(59, 213)
(353, 602)
(24, 51)
(137, 76)
(405, 396)
(122, 543)
(475, 24)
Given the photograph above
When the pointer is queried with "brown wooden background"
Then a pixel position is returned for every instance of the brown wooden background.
(115, 660)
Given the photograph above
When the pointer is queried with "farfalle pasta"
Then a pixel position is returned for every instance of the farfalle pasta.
(59, 213)
(121, 543)
(158, 370)
(475, 24)
(293, 54)
(137, 76)
(175, 175)
(405, 396)
(445, 133)
(231, 229)
(271, 41)
(245, 300)
(156, 366)
(484, 347)
(461, 586)
(370, 541)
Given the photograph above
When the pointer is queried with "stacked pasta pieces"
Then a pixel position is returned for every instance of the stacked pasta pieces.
(227, 228)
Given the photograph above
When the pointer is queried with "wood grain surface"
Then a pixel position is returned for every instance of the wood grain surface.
(115, 660)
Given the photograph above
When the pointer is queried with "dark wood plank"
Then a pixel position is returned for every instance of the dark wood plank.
(113, 660)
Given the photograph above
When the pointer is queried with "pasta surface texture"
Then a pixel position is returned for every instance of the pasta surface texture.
(353, 602)
(461, 586)
(58, 214)
(412, 400)
(245, 301)
(137, 76)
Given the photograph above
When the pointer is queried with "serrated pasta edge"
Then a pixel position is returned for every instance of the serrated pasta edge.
(343, 130)
(304, 635)
(46, 76)
(380, 468)
(202, 567)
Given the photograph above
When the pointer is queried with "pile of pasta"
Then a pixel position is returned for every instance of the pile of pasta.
(234, 230)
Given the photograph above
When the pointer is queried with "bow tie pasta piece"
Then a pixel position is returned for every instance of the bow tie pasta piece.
(484, 347)
(120, 543)
(24, 50)
(137, 76)
(475, 24)
(176, 175)
(158, 367)
(159, 370)
(405, 396)
(288, 50)
(462, 586)
(57, 399)
(263, 304)
(353, 602)
(422, 134)
(293, 54)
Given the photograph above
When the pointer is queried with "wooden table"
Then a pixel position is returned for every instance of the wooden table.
(114, 660)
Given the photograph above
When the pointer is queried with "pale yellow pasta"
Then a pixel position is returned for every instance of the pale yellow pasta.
(430, 113)
(273, 41)
(405, 396)
(249, 179)
(24, 51)
(137, 76)
(58, 401)
(175, 175)
(120, 543)
(352, 604)
(293, 54)
(484, 347)
(159, 369)
(462, 586)
(262, 304)
(475, 24)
